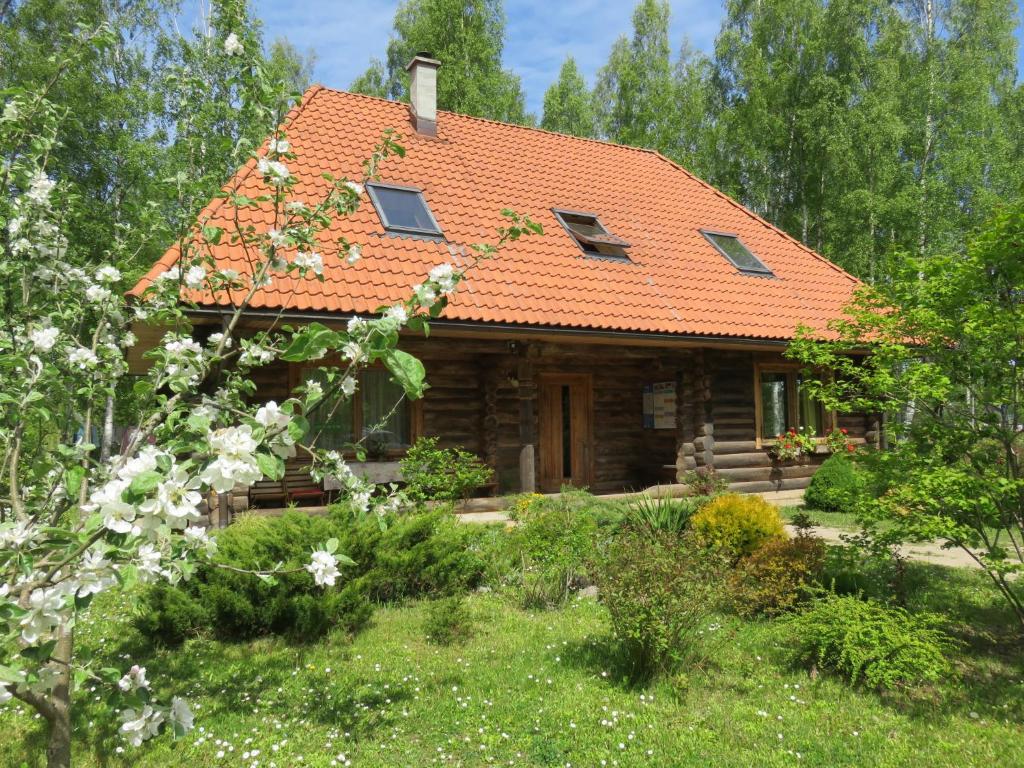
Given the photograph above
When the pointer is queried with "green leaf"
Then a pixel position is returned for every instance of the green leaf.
(145, 483)
(407, 370)
(298, 427)
(271, 466)
(331, 546)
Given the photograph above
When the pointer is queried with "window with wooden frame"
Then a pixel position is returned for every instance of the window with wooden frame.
(378, 412)
(781, 401)
(403, 209)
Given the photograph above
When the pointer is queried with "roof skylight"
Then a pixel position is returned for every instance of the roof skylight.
(736, 252)
(403, 209)
(591, 235)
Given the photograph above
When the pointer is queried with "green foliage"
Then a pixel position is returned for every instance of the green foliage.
(739, 524)
(705, 481)
(777, 577)
(568, 106)
(837, 486)
(555, 543)
(236, 606)
(662, 514)
(954, 469)
(467, 37)
(416, 555)
(441, 474)
(661, 591)
(448, 621)
(865, 641)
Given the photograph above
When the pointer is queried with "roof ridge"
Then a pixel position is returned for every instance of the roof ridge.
(533, 128)
(732, 201)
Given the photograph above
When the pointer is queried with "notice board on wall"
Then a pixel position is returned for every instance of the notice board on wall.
(660, 405)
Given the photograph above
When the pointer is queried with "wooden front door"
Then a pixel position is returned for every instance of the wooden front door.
(565, 416)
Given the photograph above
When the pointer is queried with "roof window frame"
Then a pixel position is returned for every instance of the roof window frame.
(577, 237)
(766, 271)
(378, 206)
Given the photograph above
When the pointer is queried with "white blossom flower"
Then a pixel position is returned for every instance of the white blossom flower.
(176, 501)
(141, 725)
(352, 351)
(279, 146)
(173, 273)
(310, 260)
(397, 313)
(278, 238)
(445, 277)
(357, 189)
(198, 538)
(118, 515)
(134, 679)
(95, 573)
(324, 567)
(357, 326)
(195, 276)
(144, 461)
(235, 463)
(46, 608)
(232, 45)
(97, 293)
(276, 421)
(254, 354)
(149, 563)
(108, 274)
(295, 206)
(348, 385)
(40, 187)
(180, 715)
(18, 534)
(273, 170)
(82, 357)
(355, 253)
(314, 391)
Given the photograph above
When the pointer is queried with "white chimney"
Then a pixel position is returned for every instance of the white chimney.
(423, 93)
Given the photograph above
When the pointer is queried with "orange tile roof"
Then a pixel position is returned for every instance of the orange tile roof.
(674, 283)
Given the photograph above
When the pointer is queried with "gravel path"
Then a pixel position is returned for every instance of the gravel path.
(924, 552)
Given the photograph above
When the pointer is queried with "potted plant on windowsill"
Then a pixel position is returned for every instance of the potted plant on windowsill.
(792, 445)
(838, 441)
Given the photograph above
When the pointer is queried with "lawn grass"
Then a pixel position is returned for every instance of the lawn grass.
(843, 521)
(544, 689)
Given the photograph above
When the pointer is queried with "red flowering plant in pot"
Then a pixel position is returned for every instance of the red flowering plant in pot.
(838, 441)
(792, 444)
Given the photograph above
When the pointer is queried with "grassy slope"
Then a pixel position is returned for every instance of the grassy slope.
(538, 689)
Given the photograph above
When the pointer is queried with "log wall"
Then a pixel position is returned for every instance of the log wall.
(482, 396)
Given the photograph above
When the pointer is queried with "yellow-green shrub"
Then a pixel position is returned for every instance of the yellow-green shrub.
(739, 524)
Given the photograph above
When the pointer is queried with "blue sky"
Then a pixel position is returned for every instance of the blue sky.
(346, 33)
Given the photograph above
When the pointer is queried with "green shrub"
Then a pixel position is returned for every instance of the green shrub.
(555, 541)
(448, 621)
(237, 606)
(837, 486)
(739, 524)
(441, 474)
(865, 641)
(416, 555)
(661, 590)
(705, 481)
(777, 577)
(663, 514)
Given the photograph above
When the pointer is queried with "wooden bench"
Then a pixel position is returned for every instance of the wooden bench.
(296, 487)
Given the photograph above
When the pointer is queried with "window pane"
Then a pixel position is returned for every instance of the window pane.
(380, 396)
(333, 417)
(737, 252)
(774, 399)
(404, 209)
(811, 413)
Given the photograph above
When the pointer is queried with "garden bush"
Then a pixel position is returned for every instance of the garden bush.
(866, 642)
(441, 474)
(448, 621)
(777, 577)
(836, 486)
(236, 606)
(427, 554)
(661, 591)
(739, 524)
(705, 481)
(556, 541)
(663, 514)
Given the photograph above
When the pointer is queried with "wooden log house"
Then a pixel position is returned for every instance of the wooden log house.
(639, 337)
